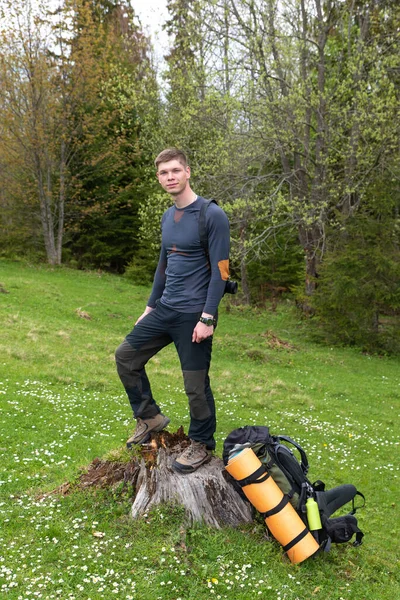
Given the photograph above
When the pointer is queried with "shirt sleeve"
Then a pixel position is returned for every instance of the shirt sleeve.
(159, 275)
(217, 225)
(159, 279)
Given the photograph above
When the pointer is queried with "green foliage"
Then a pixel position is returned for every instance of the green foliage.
(290, 130)
(20, 235)
(311, 113)
(358, 295)
(34, 110)
(279, 268)
(78, 96)
(141, 268)
(110, 170)
(199, 113)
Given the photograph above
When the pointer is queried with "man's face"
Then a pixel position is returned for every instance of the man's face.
(173, 176)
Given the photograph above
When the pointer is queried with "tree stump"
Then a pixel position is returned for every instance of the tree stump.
(207, 495)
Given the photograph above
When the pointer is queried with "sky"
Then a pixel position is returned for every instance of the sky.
(152, 14)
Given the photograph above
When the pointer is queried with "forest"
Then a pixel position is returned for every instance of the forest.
(288, 111)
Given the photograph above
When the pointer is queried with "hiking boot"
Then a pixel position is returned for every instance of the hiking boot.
(144, 427)
(192, 458)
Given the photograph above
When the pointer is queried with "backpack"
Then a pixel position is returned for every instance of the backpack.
(231, 286)
(290, 475)
(202, 224)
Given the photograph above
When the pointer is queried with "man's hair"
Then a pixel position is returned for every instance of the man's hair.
(171, 154)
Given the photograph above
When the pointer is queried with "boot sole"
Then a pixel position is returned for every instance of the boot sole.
(147, 435)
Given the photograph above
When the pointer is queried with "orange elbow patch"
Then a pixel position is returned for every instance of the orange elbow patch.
(223, 266)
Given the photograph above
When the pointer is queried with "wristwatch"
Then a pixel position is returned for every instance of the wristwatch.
(209, 321)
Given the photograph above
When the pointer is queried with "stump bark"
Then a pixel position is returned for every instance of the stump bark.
(207, 495)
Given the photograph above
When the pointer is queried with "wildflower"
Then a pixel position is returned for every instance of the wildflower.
(98, 534)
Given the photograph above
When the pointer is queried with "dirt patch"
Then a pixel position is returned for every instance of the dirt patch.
(108, 473)
(276, 343)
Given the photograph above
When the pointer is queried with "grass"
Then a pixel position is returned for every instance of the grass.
(62, 405)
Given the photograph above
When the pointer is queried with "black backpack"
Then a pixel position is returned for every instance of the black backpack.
(202, 224)
(291, 476)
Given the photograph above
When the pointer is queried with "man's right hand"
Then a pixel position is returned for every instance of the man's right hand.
(146, 312)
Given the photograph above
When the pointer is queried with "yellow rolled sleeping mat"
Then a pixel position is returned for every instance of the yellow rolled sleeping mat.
(264, 494)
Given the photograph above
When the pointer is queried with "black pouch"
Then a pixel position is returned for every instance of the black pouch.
(342, 529)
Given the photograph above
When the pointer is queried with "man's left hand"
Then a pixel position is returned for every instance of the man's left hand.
(202, 332)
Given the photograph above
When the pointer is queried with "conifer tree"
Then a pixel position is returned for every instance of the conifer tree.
(110, 172)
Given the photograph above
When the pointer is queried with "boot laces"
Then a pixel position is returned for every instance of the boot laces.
(193, 448)
(140, 426)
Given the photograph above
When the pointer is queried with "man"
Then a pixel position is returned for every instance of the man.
(182, 308)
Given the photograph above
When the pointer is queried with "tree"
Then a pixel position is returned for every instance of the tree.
(33, 120)
(320, 99)
(195, 113)
(358, 295)
(109, 171)
(77, 93)
(199, 100)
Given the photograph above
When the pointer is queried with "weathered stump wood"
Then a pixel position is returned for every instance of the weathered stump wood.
(207, 495)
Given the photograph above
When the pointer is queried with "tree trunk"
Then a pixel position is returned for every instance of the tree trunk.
(243, 266)
(311, 272)
(52, 224)
(310, 239)
(46, 218)
(61, 203)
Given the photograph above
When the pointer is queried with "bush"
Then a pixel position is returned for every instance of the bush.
(357, 300)
(141, 267)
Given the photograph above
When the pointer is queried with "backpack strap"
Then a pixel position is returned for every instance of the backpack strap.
(358, 540)
(355, 508)
(318, 486)
(301, 503)
(304, 460)
(202, 225)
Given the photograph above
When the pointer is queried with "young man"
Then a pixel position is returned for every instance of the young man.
(182, 308)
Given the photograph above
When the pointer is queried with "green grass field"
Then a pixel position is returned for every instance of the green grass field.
(62, 405)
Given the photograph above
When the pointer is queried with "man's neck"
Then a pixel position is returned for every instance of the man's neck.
(185, 198)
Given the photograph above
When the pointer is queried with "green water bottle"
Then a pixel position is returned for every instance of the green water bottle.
(313, 517)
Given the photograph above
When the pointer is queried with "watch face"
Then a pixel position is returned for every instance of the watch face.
(207, 322)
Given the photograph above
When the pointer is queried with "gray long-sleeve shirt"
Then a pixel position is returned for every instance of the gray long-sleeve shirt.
(185, 280)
